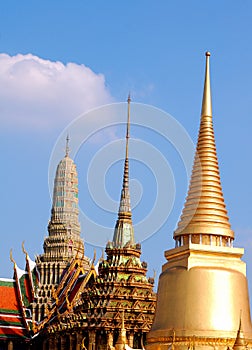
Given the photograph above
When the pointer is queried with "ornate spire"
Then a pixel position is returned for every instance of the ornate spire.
(64, 225)
(65, 195)
(205, 213)
(124, 232)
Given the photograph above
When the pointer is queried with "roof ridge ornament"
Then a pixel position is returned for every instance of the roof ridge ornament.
(12, 259)
(24, 250)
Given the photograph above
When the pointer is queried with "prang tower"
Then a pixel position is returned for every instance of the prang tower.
(63, 241)
(202, 299)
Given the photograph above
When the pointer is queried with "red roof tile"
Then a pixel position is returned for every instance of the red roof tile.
(12, 324)
(8, 297)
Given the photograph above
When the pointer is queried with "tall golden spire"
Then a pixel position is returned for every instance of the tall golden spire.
(202, 289)
(205, 213)
(124, 232)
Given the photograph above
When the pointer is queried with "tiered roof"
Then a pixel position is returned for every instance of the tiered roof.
(121, 286)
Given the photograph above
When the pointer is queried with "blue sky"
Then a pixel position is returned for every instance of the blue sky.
(60, 59)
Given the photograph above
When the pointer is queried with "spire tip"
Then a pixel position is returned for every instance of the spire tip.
(207, 101)
(123, 233)
(67, 145)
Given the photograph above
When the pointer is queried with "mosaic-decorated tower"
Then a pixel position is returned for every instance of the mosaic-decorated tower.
(64, 240)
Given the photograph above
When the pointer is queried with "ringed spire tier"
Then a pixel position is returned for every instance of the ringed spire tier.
(124, 232)
(204, 216)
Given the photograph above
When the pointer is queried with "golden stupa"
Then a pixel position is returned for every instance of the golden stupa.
(202, 298)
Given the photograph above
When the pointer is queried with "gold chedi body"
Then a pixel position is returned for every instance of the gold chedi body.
(202, 293)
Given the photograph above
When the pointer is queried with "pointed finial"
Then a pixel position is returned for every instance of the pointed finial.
(207, 101)
(126, 163)
(124, 233)
(67, 145)
(128, 127)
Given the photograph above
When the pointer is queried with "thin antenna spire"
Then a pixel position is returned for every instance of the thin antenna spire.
(67, 145)
(128, 128)
(124, 232)
(125, 196)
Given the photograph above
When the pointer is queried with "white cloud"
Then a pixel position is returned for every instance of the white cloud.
(37, 93)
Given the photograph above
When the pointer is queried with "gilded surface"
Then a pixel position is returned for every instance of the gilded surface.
(202, 297)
